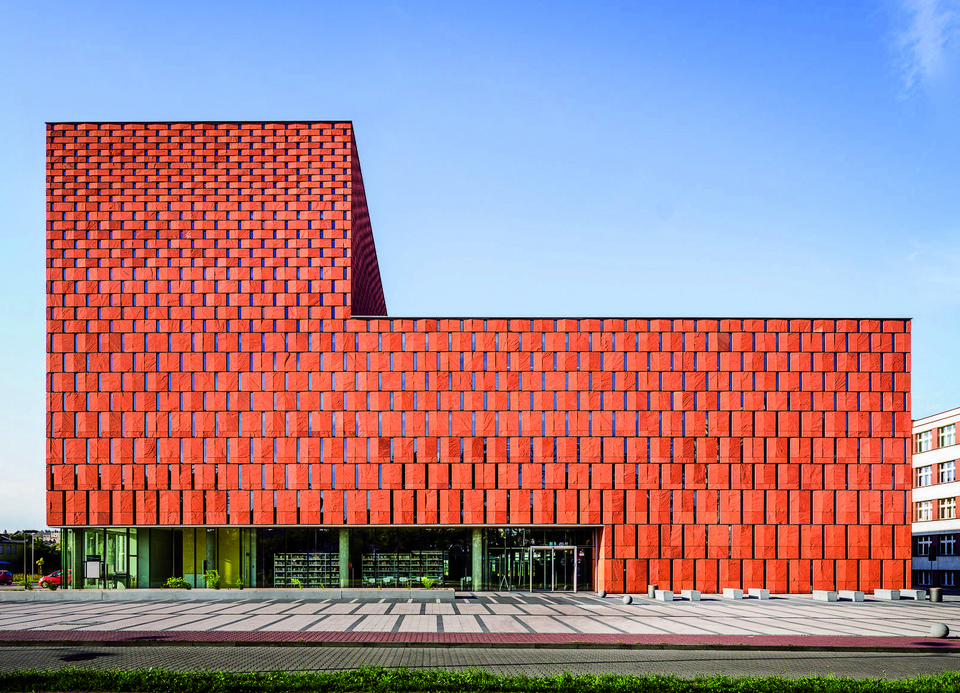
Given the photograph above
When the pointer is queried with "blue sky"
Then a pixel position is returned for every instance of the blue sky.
(628, 159)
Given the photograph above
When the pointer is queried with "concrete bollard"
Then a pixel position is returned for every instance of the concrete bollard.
(852, 595)
(732, 593)
(627, 599)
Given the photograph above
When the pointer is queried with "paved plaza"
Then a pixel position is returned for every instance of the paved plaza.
(511, 633)
(504, 614)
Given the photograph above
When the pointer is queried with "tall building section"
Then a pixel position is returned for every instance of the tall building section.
(226, 390)
(936, 526)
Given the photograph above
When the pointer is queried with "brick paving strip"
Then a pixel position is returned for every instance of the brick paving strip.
(799, 643)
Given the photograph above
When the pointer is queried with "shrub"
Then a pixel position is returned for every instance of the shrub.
(428, 583)
(177, 583)
(239, 583)
(296, 583)
(213, 579)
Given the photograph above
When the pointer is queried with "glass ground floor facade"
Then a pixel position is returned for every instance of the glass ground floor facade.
(471, 558)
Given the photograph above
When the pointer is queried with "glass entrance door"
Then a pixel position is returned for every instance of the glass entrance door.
(553, 568)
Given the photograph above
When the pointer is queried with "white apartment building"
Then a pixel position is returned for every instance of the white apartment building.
(936, 489)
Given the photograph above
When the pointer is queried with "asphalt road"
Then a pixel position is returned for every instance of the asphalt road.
(533, 662)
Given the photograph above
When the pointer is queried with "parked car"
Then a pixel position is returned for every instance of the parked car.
(6, 577)
(51, 579)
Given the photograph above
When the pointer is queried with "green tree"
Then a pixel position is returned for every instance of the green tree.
(49, 553)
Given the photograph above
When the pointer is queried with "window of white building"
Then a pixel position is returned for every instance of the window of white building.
(925, 475)
(925, 441)
(948, 471)
(948, 435)
(923, 546)
(948, 508)
(924, 511)
(948, 545)
(923, 577)
(948, 578)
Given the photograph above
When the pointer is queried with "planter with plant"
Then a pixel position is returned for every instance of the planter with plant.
(176, 583)
(213, 579)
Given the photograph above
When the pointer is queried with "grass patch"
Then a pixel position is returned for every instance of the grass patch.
(376, 680)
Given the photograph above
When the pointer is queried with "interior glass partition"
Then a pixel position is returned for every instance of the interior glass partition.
(92, 548)
(69, 559)
(115, 550)
(116, 573)
(507, 569)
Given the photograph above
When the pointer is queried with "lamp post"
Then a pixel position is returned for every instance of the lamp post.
(31, 534)
(32, 554)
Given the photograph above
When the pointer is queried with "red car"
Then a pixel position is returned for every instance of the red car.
(6, 577)
(51, 579)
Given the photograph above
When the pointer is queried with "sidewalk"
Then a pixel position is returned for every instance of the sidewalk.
(687, 663)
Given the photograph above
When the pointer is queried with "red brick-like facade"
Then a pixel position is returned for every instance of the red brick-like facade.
(205, 368)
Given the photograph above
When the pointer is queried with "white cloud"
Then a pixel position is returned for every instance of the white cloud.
(924, 39)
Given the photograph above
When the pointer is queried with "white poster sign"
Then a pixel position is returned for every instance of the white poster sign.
(92, 570)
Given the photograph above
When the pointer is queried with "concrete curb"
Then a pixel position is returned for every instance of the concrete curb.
(202, 594)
